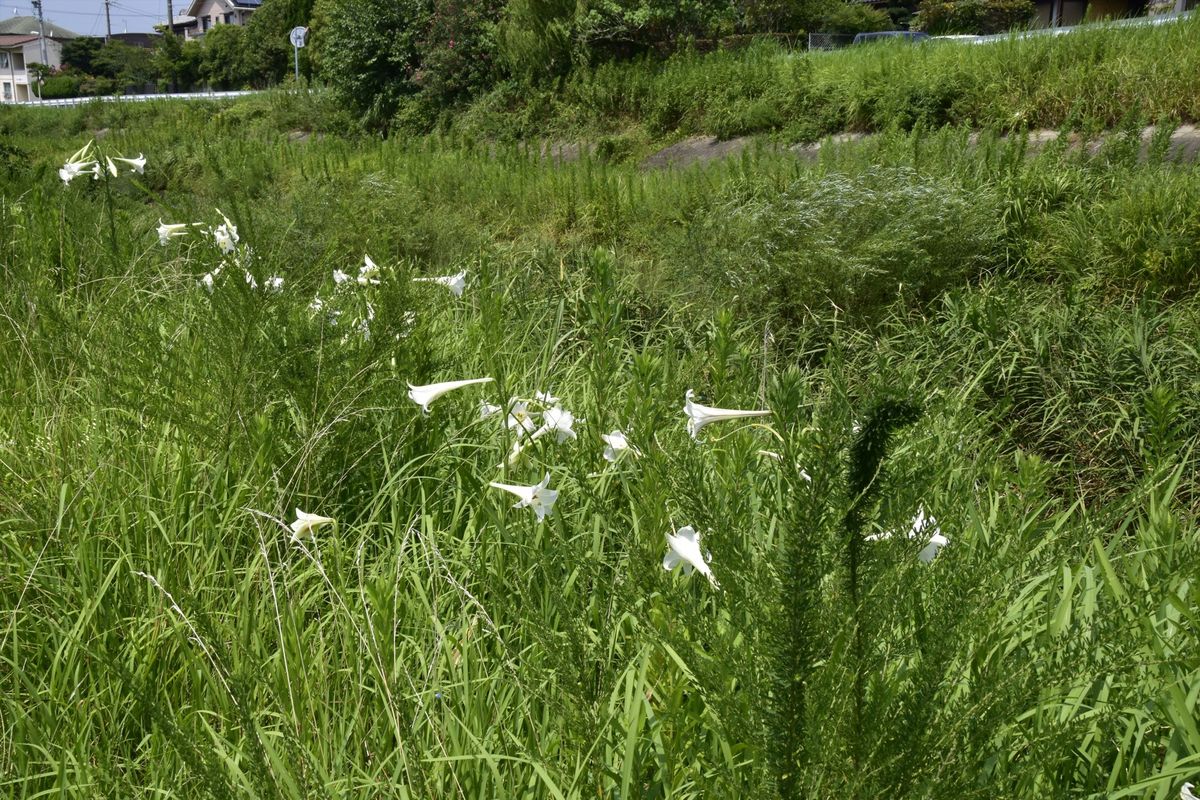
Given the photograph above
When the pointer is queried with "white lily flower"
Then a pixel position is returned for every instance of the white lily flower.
(1185, 793)
(424, 395)
(112, 168)
(545, 398)
(539, 497)
(920, 525)
(305, 524)
(253, 284)
(776, 457)
(521, 418)
(616, 446)
(557, 420)
(274, 284)
(699, 416)
(79, 163)
(683, 547)
(368, 273)
(73, 169)
(340, 277)
(171, 230)
(929, 552)
(226, 234)
(82, 153)
(455, 283)
(316, 305)
(138, 164)
(486, 409)
(207, 281)
(515, 452)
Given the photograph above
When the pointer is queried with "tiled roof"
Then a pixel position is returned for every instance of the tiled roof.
(12, 40)
(23, 25)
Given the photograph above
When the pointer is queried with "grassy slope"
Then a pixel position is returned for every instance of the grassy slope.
(1099, 77)
(438, 643)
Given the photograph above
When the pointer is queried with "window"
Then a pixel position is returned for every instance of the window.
(205, 22)
(7, 90)
(228, 19)
(3, 60)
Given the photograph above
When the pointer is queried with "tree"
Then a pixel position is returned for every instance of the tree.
(125, 64)
(368, 51)
(268, 53)
(853, 17)
(458, 52)
(177, 62)
(535, 38)
(972, 16)
(79, 52)
(782, 16)
(222, 63)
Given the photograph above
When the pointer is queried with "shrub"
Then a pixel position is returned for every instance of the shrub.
(61, 86)
(368, 51)
(972, 16)
(851, 18)
(458, 53)
(268, 52)
(223, 64)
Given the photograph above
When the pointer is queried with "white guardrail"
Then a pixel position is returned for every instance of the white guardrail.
(1130, 22)
(134, 98)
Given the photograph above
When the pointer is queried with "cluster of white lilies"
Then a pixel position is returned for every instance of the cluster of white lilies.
(683, 546)
(225, 237)
(84, 161)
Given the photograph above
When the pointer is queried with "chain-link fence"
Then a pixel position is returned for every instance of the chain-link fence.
(829, 41)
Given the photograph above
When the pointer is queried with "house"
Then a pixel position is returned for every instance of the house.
(203, 15)
(21, 44)
(1062, 13)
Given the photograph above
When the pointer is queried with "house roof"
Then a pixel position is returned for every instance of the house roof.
(12, 40)
(23, 25)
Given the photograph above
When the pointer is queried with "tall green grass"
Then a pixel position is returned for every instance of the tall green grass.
(1099, 76)
(161, 634)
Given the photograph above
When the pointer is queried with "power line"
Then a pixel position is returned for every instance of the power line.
(125, 12)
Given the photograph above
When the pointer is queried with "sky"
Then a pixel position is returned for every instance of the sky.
(86, 17)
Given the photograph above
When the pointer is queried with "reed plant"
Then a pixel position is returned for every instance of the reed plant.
(163, 632)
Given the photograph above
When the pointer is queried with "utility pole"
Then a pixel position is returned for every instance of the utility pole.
(170, 16)
(107, 22)
(37, 4)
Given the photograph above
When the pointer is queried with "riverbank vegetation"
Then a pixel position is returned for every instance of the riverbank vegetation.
(955, 338)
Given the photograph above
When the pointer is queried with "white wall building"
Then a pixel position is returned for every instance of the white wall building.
(204, 15)
(17, 52)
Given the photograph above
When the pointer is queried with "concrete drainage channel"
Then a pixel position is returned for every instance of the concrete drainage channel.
(1183, 146)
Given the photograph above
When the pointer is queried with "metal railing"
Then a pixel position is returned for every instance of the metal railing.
(134, 98)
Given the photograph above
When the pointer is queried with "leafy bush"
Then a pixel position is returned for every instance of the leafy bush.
(851, 18)
(223, 63)
(178, 62)
(61, 86)
(267, 51)
(939, 17)
(853, 242)
(458, 52)
(370, 51)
